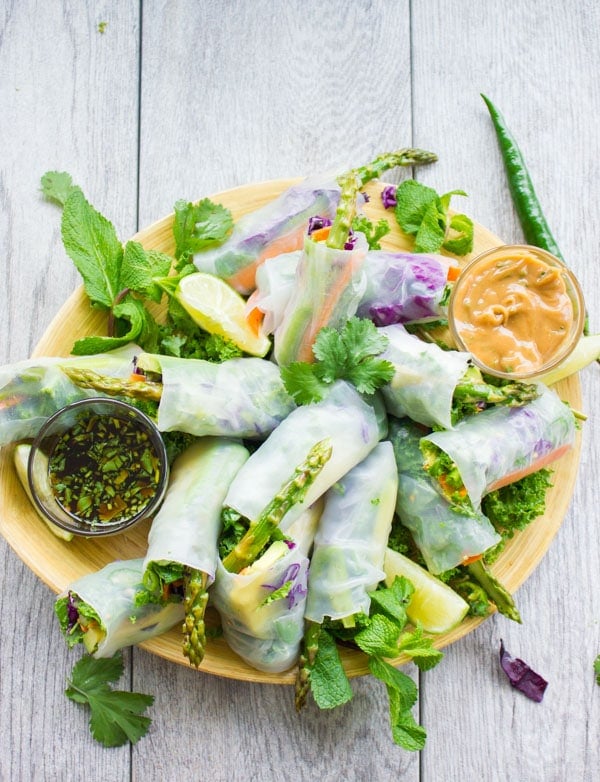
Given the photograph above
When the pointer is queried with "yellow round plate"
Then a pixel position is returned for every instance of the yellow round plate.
(58, 563)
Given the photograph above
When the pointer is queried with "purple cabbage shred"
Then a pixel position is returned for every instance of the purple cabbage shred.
(72, 612)
(388, 196)
(521, 676)
(351, 241)
(317, 222)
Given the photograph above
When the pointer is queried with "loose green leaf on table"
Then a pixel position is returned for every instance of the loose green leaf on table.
(117, 716)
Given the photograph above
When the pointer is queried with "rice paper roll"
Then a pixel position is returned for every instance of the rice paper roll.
(328, 286)
(403, 287)
(275, 280)
(33, 390)
(185, 530)
(350, 544)
(424, 380)
(105, 603)
(241, 397)
(262, 607)
(445, 534)
(277, 227)
(353, 427)
(499, 446)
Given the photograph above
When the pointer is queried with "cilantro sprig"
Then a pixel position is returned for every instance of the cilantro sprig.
(117, 716)
(422, 213)
(351, 354)
(380, 635)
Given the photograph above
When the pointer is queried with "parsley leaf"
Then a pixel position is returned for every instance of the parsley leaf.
(373, 233)
(116, 715)
(422, 213)
(348, 354)
(199, 225)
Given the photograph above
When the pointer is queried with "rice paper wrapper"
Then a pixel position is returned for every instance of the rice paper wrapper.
(403, 287)
(33, 390)
(186, 528)
(424, 380)
(275, 280)
(242, 397)
(329, 284)
(266, 634)
(347, 561)
(497, 445)
(444, 535)
(111, 593)
(343, 416)
(277, 227)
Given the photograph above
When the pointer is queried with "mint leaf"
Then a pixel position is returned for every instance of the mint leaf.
(91, 242)
(136, 325)
(392, 601)
(413, 201)
(57, 186)
(379, 638)
(420, 648)
(405, 731)
(139, 269)
(392, 677)
(431, 233)
(328, 681)
(460, 241)
(199, 225)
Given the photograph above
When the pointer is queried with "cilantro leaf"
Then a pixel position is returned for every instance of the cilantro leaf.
(350, 353)
(116, 715)
(91, 242)
(199, 225)
(328, 681)
(57, 186)
(139, 269)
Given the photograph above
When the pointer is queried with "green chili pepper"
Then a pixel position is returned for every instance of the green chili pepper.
(531, 217)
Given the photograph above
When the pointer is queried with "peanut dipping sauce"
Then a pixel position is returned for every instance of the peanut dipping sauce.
(514, 311)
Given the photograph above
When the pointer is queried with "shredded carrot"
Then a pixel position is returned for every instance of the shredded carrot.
(255, 318)
(453, 273)
(244, 280)
(470, 560)
(137, 377)
(321, 234)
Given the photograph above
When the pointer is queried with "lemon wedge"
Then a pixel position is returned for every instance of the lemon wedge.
(217, 308)
(434, 604)
(21, 457)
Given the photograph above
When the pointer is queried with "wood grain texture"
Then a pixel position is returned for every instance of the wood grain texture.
(247, 90)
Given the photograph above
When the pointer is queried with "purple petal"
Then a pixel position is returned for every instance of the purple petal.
(521, 676)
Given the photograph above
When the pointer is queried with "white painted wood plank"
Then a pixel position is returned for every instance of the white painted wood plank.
(68, 101)
(539, 65)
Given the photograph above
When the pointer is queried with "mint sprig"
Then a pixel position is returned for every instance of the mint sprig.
(422, 213)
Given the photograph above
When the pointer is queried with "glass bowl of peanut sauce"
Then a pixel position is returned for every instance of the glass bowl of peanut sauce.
(518, 310)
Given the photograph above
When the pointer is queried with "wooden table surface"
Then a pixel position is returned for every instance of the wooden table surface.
(177, 99)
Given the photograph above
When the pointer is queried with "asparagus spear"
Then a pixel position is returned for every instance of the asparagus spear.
(136, 389)
(291, 493)
(496, 591)
(351, 182)
(472, 394)
(194, 628)
(310, 647)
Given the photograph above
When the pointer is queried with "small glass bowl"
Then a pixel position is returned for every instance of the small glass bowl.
(54, 431)
(573, 290)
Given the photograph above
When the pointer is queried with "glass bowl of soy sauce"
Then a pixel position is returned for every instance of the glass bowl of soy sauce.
(97, 467)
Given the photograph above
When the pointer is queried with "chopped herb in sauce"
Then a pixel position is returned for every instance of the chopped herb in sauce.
(104, 469)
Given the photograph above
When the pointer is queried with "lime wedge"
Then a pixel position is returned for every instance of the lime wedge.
(21, 457)
(434, 604)
(218, 309)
